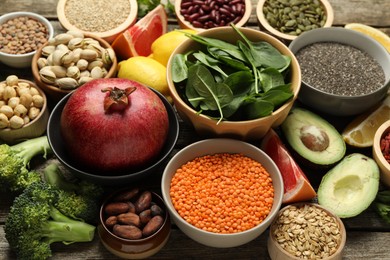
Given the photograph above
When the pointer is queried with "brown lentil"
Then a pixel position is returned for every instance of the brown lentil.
(340, 69)
(22, 35)
(97, 15)
(307, 232)
(212, 13)
(222, 193)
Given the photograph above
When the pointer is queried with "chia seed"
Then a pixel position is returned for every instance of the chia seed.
(340, 69)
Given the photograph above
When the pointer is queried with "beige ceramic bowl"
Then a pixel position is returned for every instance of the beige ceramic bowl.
(214, 146)
(275, 250)
(109, 35)
(384, 165)
(139, 248)
(250, 129)
(23, 60)
(34, 128)
(264, 24)
(54, 92)
(187, 24)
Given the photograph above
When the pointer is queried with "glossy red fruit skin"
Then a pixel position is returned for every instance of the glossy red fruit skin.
(294, 179)
(112, 142)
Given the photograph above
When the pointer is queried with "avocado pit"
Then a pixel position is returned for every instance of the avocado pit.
(314, 138)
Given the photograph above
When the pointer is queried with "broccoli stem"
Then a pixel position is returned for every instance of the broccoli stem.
(66, 230)
(53, 176)
(26, 150)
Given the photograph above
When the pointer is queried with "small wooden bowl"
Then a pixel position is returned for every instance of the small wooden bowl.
(384, 165)
(109, 35)
(264, 25)
(185, 24)
(34, 128)
(54, 92)
(275, 250)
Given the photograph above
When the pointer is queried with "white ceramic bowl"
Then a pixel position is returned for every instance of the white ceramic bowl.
(213, 146)
(23, 60)
(340, 105)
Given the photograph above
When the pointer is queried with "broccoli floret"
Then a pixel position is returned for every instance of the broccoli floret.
(34, 223)
(14, 162)
(78, 199)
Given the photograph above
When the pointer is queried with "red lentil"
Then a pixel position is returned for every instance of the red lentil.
(222, 193)
(385, 146)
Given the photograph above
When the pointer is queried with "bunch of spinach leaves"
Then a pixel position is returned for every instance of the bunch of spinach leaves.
(234, 82)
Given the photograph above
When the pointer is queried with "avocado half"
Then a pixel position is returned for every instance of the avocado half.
(350, 187)
(313, 138)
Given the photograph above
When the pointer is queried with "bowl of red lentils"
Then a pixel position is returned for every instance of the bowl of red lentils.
(200, 15)
(306, 231)
(381, 151)
(287, 20)
(344, 72)
(23, 110)
(21, 34)
(104, 18)
(222, 192)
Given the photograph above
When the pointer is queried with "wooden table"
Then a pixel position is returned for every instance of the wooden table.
(368, 235)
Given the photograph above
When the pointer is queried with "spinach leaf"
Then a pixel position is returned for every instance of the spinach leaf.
(270, 78)
(209, 62)
(205, 91)
(258, 108)
(179, 68)
(239, 82)
(248, 55)
(277, 97)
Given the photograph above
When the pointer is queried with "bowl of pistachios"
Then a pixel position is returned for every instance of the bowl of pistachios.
(69, 60)
(23, 110)
(288, 19)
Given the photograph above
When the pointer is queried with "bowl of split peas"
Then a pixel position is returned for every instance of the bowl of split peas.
(222, 192)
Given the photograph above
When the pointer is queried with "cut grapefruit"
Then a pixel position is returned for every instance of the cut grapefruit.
(138, 39)
(297, 187)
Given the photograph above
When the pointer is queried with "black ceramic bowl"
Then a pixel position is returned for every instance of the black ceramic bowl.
(57, 144)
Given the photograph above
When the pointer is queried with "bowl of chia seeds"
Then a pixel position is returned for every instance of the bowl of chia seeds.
(344, 72)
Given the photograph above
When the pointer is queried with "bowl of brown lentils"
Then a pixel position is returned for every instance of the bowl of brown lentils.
(23, 110)
(200, 15)
(21, 34)
(306, 231)
(344, 72)
(290, 18)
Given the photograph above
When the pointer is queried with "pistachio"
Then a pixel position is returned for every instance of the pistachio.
(62, 47)
(85, 73)
(41, 62)
(67, 58)
(76, 54)
(95, 63)
(49, 60)
(57, 56)
(108, 56)
(84, 80)
(59, 71)
(96, 47)
(88, 54)
(75, 43)
(47, 75)
(82, 64)
(67, 83)
(73, 72)
(62, 38)
(88, 41)
(47, 50)
(97, 73)
(75, 34)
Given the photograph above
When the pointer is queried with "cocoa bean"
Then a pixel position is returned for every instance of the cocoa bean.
(153, 225)
(129, 218)
(156, 210)
(131, 207)
(116, 208)
(127, 231)
(143, 202)
(126, 195)
(111, 221)
(145, 216)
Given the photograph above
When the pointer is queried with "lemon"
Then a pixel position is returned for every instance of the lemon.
(361, 131)
(378, 35)
(147, 71)
(164, 45)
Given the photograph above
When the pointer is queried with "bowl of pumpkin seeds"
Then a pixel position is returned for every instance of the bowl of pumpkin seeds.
(287, 19)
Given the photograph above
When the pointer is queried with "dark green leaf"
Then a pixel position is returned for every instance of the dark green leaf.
(270, 78)
(179, 68)
(239, 82)
(209, 62)
(277, 97)
(257, 109)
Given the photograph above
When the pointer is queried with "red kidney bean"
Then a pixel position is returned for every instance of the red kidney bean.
(212, 13)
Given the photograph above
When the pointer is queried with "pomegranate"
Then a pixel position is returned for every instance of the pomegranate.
(114, 125)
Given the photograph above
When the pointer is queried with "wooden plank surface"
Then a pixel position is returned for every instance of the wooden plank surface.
(368, 235)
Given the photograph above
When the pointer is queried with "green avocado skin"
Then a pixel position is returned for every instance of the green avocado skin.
(350, 187)
(300, 118)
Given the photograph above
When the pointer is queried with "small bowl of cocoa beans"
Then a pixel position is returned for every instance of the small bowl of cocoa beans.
(203, 15)
(21, 35)
(23, 110)
(134, 223)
